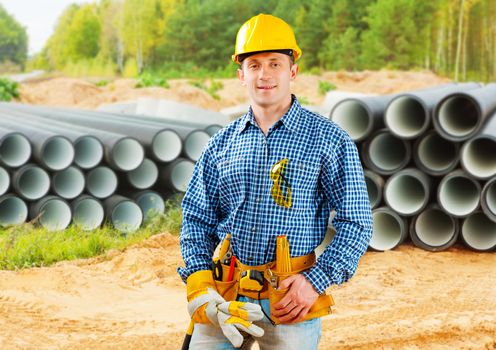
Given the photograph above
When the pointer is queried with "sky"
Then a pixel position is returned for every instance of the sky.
(38, 17)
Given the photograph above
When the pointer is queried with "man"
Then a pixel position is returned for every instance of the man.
(278, 170)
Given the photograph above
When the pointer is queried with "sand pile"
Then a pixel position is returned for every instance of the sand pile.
(66, 92)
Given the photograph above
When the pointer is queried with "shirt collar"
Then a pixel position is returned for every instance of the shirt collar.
(291, 119)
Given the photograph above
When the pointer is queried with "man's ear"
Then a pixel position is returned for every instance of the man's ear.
(294, 71)
(241, 76)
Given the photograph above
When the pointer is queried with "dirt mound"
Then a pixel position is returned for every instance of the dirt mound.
(67, 92)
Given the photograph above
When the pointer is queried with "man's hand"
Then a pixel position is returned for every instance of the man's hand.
(298, 300)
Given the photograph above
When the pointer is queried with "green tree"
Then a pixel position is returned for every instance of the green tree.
(393, 37)
(13, 39)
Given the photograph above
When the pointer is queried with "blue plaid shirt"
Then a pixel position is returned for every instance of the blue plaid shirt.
(229, 192)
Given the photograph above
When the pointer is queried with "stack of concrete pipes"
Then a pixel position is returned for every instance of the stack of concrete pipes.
(430, 164)
(59, 166)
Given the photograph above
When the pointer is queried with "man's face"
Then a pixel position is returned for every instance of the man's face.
(267, 77)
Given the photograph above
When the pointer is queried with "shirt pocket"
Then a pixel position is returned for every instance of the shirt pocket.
(303, 179)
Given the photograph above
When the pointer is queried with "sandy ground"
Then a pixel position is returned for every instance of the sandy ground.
(83, 94)
(402, 299)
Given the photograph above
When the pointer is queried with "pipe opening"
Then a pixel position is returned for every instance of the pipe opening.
(128, 154)
(458, 116)
(4, 181)
(101, 182)
(353, 117)
(15, 150)
(88, 213)
(151, 204)
(166, 146)
(388, 152)
(437, 154)
(373, 191)
(491, 198)
(406, 117)
(194, 144)
(68, 183)
(478, 157)
(126, 216)
(58, 153)
(479, 232)
(406, 194)
(13, 211)
(181, 174)
(143, 176)
(33, 183)
(88, 152)
(55, 215)
(434, 227)
(388, 230)
(459, 195)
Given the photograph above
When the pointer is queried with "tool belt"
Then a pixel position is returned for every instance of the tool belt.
(271, 280)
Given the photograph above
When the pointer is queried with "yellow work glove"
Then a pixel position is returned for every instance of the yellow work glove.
(206, 305)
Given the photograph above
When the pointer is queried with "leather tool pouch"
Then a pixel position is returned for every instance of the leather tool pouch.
(228, 290)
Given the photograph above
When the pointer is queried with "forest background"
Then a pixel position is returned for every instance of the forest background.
(179, 38)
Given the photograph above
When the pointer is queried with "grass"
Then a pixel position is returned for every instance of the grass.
(26, 245)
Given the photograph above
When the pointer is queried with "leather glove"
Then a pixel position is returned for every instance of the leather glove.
(206, 305)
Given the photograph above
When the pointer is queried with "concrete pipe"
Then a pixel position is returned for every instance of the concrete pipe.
(435, 155)
(488, 199)
(408, 115)
(30, 182)
(389, 229)
(458, 194)
(479, 232)
(68, 183)
(162, 142)
(150, 202)
(194, 144)
(144, 176)
(122, 152)
(88, 150)
(15, 148)
(408, 191)
(433, 229)
(88, 212)
(101, 182)
(360, 116)
(385, 153)
(52, 213)
(478, 154)
(176, 175)
(4, 181)
(13, 210)
(123, 213)
(375, 186)
(459, 116)
(52, 151)
(165, 147)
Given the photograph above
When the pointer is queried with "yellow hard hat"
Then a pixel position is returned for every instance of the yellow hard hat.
(265, 33)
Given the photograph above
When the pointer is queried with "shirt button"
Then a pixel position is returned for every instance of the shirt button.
(253, 229)
(257, 200)
(250, 258)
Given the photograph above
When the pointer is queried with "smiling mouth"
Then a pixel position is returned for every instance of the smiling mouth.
(267, 87)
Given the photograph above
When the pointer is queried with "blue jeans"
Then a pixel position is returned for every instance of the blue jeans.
(300, 336)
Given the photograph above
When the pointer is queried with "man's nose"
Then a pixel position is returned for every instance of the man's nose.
(264, 73)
